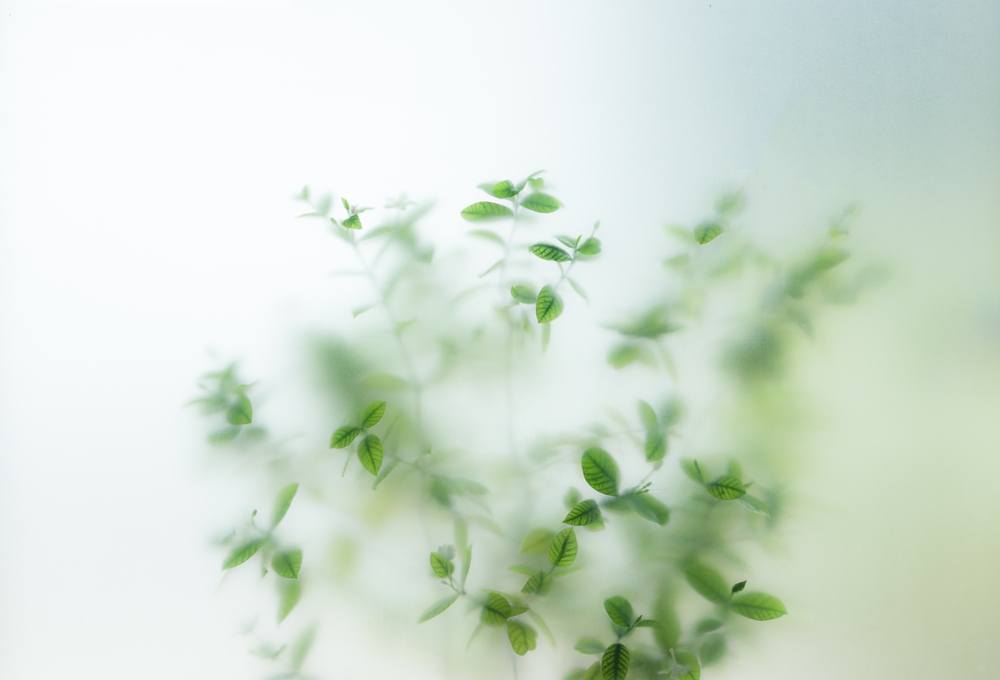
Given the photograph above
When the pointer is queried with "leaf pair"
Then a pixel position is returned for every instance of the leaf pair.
(711, 585)
(370, 449)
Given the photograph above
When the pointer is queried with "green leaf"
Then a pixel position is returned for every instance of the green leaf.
(487, 235)
(706, 232)
(242, 553)
(547, 251)
(502, 189)
(649, 508)
(707, 582)
(495, 610)
(577, 287)
(541, 203)
(287, 563)
(486, 210)
(441, 565)
(593, 673)
(289, 594)
(352, 222)
(562, 550)
(536, 583)
(692, 469)
(655, 446)
(647, 416)
(737, 587)
(569, 241)
(689, 660)
(523, 637)
(548, 305)
(758, 606)
(537, 541)
(590, 247)
(372, 414)
(370, 453)
(726, 488)
(241, 411)
(466, 564)
(707, 626)
(624, 354)
(600, 470)
(437, 608)
(712, 649)
(283, 502)
(343, 436)
(615, 662)
(619, 611)
(583, 513)
(523, 294)
(589, 646)
(651, 324)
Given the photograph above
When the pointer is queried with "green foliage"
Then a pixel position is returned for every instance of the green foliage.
(540, 202)
(707, 232)
(438, 607)
(372, 414)
(758, 606)
(547, 251)
(523, 294)
(486, 210)
(619, 611)
(726, 488)
(562, 549)
(370, 453)
(600, 471)
(283, 503)
(287, 563)
(344, 436)
(496, 610)
(548, 305)
(584, 513)
(615, 662)
(242, 553)
(523, 638)
(707, 582)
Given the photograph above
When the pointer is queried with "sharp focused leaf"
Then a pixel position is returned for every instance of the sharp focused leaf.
(758, 606)
(738, 587)
(600, 470)
(283, 502)
(649, 508)
(495, 610)
(726, 488)
(370, 453)
(372, 414)
(240, 412)
(523, 637)
(343, 436)
(441, 565)
(438, 607)
(615, 662)
(589, 646)
(523, 294)
(707, 582)
(242, 553)
(540, 203)
(547, 251)
(502, 189)
(287, 563)
(537, 541)
(706, 232)
(583, 513)
(619, 611)
(562, 550)
(486, 210)
(548, 305)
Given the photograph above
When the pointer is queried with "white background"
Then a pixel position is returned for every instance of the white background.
(148, 154)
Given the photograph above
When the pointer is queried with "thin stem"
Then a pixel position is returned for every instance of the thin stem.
(509, 349)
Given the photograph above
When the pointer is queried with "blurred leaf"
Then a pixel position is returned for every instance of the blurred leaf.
(758, 606)
(287, 563)
(241, 411)
(242, 553)
(583, 513)
(289, 592)
(651, 324)
(692, 469)
(624, 354)
(726, 488)
(707, 232)
(523, 637)
(615, 662)
(502, 189)
(283, 502)
(590, 247)
(372, 414)
(589, 646)
(352, 222)
(577, 287)
(707, 582)
(495, 610)
(647, 416)
(493, 267)
(438, 607)
(547, 251)
(707, 626)
(548, 305)
(619, 611)
(523, 294)
(488, 235)
(649, 508)
(712, 649)
(343, 436)
(600, 470)
(568, 241)
(441, 565)
(563, 548)
(486, 210)
(370, 453)
(537, 582)
(537, 541)
(689, 660)
(540, 203)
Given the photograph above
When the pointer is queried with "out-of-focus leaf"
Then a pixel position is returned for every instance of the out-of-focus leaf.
(486, 210)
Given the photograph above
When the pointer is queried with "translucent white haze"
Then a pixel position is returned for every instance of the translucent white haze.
(148, 152)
